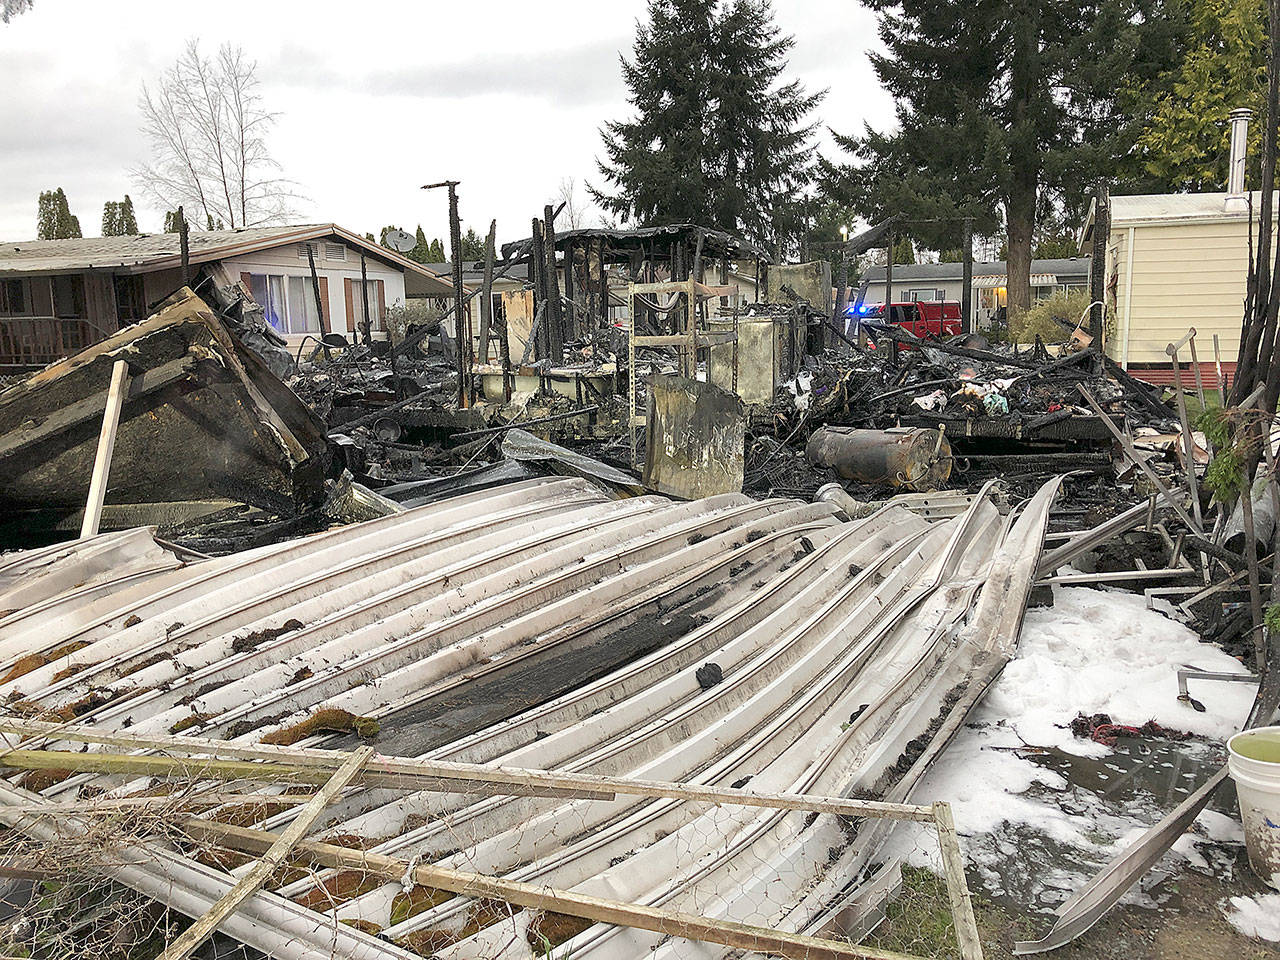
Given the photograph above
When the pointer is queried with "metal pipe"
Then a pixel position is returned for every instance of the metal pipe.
(1239, 155)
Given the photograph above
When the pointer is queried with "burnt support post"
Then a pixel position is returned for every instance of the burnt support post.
(554, 317)
(364, 300)
(315, 291)
(184, 246)
(463, 338)
(604, 286)
(486, 292)
(966, 282)
(537, 274)
(1098, 262)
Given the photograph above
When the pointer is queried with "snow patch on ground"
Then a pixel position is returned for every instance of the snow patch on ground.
(1093, 651)
(1257, 917)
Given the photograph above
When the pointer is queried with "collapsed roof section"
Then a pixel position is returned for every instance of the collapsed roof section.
(204, 419)
(542, 625)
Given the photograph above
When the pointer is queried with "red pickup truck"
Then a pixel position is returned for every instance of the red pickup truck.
(923, 318)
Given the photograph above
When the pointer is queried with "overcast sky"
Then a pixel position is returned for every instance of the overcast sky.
(374, 98)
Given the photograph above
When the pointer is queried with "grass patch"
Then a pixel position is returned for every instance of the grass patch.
(918, 920)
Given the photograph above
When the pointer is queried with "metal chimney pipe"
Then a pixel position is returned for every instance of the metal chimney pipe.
(1239, 155)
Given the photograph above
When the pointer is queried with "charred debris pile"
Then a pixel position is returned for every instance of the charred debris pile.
(798, 456)
(675, 359)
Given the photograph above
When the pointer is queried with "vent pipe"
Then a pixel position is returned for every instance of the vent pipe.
(1239, 155)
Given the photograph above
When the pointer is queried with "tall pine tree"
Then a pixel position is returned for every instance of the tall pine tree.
(1006, 112)
(715, 137)
(54, 220)
(128, 220)
(118, 219)
(111, 219)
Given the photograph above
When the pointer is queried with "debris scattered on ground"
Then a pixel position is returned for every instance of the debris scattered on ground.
(438, 543)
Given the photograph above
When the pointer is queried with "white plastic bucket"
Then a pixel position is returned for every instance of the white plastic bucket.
(1253, 760)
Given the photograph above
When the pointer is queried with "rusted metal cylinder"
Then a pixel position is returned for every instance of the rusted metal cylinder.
(915, 459)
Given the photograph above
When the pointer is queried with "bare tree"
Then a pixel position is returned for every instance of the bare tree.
(208, 131)
(11, 8)
(574, 214)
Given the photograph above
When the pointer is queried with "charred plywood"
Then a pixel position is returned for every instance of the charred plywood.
(695, 443)
(204, 419)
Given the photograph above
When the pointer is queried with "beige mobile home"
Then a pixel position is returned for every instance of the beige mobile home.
(1175, 261)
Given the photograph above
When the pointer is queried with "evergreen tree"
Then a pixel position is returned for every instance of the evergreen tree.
(1005, 112)
(118, 219)
(421, 251)
(714, 138)
(437, 254)
(111, 219)
(54, 220)
(128, 221)
(1183, 141)
(171, 221)
(759, 140)
(472, 245)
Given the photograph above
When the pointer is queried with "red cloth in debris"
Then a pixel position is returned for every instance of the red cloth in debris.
(1100, 729)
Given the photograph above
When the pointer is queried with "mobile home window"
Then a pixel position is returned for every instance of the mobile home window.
(131, 301)
(357, 305)
(301, 310)
(68, 297)
(268, 290)
(15, 298)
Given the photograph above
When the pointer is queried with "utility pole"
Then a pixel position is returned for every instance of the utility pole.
(463, 338)
(966, 283)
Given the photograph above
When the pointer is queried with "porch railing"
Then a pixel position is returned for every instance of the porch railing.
(28, 342)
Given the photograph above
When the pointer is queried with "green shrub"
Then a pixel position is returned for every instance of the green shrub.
(1224, 474)
(1053, 319)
